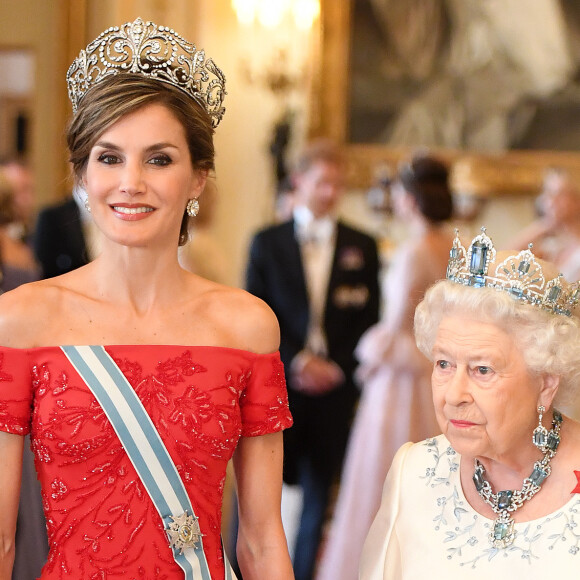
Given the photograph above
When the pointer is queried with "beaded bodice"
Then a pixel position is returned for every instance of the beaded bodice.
(100, 520)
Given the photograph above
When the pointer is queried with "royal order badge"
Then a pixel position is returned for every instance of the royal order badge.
(183, 532)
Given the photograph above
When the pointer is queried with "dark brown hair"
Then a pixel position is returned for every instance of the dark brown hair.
(425, 178)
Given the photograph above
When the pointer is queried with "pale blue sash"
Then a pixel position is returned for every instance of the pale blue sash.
(148, 454)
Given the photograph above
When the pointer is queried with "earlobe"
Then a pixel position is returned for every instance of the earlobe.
(199, 183)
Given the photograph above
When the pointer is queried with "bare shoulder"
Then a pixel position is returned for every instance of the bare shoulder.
(426, 254)
(25, 310)
(244, 321)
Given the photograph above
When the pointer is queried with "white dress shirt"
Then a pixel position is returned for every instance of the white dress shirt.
(316, 238)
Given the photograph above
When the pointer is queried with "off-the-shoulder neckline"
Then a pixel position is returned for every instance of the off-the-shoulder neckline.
(119, 346)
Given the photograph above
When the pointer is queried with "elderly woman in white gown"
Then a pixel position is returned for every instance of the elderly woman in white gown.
(496, 494)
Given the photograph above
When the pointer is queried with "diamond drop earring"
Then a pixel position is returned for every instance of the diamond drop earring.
(540, 435)
(192, 207)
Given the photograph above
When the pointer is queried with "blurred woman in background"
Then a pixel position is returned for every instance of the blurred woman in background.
(18, 262)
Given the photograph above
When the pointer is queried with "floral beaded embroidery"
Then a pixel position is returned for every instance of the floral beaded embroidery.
(98, 512)
(9, 419)
(457, 523)
(269, 410)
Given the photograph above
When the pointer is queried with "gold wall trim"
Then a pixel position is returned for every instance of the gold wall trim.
(481, 174)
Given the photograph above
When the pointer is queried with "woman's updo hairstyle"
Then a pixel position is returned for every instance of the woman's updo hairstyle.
(426, 179)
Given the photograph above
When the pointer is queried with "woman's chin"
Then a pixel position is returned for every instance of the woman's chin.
(465, 442)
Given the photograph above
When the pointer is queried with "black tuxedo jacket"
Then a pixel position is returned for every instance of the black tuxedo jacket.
(276, 275)
(59, 242)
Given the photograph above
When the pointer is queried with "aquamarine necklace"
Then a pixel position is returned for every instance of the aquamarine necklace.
(504, 503)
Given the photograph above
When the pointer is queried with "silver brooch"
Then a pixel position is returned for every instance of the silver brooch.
(183, 532)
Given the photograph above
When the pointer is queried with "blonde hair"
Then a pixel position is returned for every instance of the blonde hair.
(321, 150)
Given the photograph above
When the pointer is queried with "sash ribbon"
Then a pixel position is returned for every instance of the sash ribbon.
(149, 456)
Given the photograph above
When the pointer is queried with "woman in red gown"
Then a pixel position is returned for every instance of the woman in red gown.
(202, 358)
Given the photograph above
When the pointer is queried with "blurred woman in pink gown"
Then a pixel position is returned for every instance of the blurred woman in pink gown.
(395, 405)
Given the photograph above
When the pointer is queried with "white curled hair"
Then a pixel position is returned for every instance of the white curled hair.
(549, 343)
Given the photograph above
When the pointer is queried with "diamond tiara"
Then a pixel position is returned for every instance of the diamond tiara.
(153, 51)
(520, 275)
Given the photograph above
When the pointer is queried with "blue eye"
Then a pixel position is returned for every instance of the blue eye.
(442, 364)
(483, 370)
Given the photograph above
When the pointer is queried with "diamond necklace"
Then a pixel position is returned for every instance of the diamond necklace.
(505, 502)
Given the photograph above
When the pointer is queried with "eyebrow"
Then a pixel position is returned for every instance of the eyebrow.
(154, 147)
(440, 352)
(475, 354)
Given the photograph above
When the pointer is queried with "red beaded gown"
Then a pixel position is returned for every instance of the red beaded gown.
(101, 521)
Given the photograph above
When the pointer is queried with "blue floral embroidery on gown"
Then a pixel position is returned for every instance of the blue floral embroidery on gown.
(457, 522)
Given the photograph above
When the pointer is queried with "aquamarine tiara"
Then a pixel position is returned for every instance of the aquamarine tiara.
(520, 275)
(150, 50)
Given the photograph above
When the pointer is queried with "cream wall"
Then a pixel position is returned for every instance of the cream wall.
(244, 174)
(36, 25)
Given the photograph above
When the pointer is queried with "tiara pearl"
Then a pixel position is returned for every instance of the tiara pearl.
(520, 275)
(154, 51)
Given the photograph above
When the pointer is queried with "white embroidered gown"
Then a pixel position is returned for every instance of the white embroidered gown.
(425, 528)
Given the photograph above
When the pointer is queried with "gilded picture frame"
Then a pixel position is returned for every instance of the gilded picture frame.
(474, 173)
